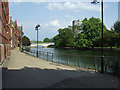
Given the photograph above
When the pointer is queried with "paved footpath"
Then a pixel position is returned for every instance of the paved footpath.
(23, 71)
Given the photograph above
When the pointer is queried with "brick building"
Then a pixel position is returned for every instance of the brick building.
(4, 29)
(15, 34)
(10, 33)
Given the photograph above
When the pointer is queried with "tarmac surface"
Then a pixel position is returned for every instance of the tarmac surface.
(20, 70)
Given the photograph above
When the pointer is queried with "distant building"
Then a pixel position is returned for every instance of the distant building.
(76, 23)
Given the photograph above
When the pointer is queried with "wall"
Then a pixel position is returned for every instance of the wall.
(4, 29)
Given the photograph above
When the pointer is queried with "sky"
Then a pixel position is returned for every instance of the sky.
(54, 15)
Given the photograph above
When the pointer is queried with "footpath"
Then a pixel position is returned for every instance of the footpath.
(20, 70)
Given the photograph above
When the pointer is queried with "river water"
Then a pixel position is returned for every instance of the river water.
(82, 58)
(77, 52)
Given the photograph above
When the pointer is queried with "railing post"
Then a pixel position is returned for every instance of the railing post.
(102, 64)
(105, 64)
(40, 54)
(95, 65)
(68, 59)
(47, 55)
(34, 53)
(78, 62)
(43, 55)
(60, 60)
(52, 57)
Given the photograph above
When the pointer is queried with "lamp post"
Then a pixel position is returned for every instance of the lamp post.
(36, 28)
(102, 56)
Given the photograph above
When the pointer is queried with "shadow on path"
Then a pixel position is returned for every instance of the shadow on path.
(50, 78)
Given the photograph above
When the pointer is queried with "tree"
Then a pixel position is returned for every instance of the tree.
(82, 42)
(26, 41)
(55, 40)
(88, 34)
(92, 29)
(116, 26)
(117, 43)
(65, 38)
(110, 38)
(46, 40)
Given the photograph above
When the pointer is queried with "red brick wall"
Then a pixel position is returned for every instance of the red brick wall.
(0, 21)
(5, 20)
(4, 30)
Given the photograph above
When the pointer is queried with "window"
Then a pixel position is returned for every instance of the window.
(11, 32)
(19, 34)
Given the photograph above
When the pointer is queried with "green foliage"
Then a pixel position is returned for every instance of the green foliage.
(88, 35)
(46, 40)
(92, 29)
(117, 26)
(26, 41)
(110, 38)
(65, 38)
(82, 42)
(117, 41)
(36, 41)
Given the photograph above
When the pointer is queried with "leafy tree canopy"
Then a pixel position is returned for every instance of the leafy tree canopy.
(46, 40)
(26, 41)
(110, 38)
(65, 38)
(116, 26)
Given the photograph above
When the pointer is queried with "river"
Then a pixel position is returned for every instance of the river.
(77, 52)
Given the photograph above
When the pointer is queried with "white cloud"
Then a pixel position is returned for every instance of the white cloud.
(51, 26)
(55, 23)
(73, 6)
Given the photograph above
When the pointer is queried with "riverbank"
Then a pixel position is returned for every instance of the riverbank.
(26, 71)
(105, 49)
